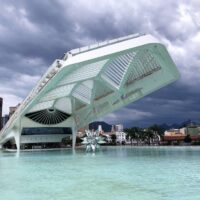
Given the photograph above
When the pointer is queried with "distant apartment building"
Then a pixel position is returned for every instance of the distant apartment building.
(12, 109)
(120, 137)
(5, 118)
(100, 129)
(194, 132)
(118, 130)
(119, 127)
(180, 134)
(175, 132)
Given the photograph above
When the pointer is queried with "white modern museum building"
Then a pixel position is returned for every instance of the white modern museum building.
(88, 83)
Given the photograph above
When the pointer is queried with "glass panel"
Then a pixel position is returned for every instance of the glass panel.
(46, 131)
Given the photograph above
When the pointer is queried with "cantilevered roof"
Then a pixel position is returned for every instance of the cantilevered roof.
(92, 81)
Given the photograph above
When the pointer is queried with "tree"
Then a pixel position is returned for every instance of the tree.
(188, 139)
(157, 129)
(132, 133)
(113, 138)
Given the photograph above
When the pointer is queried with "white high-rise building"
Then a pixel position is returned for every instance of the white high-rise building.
(100, 130)
(119, 127)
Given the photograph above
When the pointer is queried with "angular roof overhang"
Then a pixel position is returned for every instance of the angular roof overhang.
(93, 81)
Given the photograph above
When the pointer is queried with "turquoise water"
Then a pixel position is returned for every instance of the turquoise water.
(114, 173)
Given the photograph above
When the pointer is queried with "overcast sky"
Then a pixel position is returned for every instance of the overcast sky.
(34, 33)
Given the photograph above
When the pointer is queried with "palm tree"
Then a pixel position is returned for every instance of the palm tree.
(149, 136)
(158, 132)
(132, 134)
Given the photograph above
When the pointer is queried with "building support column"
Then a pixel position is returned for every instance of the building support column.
(17, 140)
(17, 136)
(74, 133)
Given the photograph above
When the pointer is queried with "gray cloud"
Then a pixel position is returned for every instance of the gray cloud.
(34, 33)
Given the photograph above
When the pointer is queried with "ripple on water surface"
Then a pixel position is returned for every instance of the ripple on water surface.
(114, 173)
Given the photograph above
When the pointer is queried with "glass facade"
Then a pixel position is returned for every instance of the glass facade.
(46, 131)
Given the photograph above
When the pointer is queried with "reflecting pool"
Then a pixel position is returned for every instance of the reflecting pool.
(114, 173)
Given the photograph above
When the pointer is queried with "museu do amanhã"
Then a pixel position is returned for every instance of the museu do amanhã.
(88, 83)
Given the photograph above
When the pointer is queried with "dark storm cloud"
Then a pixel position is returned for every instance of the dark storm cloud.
(36, 29)
(172, 104)
(34, 33)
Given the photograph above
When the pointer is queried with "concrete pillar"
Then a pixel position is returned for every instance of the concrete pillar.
(74, 133)
(17, 134)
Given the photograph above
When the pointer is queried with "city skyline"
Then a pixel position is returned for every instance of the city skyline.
(32, 38)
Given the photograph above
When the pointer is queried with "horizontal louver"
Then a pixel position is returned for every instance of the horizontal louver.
(84, 72)
(82, 93)
(144, 64)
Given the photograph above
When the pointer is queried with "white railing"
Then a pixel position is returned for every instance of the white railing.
(102, 44)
